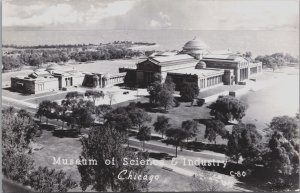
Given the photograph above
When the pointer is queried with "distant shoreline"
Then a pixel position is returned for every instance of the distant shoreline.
(143, 47)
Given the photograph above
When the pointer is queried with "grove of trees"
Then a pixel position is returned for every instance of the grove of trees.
(36, 56)
(276, 60)
(279, 155)
(18, 131)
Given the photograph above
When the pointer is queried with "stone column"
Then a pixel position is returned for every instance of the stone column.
(237, 76)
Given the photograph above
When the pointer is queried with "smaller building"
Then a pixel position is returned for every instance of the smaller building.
(37, 85)
(53, 78)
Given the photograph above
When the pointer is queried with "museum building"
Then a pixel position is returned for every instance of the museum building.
(193, 64)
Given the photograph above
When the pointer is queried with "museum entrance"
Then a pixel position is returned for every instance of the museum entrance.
(148, 78)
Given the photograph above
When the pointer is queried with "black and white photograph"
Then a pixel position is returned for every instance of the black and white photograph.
(150, 96)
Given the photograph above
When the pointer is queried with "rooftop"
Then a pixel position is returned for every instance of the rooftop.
(227, 57)
(206, 72)
(173, 60)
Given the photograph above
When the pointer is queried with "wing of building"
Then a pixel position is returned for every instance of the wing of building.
(56, 77)
(194, 64)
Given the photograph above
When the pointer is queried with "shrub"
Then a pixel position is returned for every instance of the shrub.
(200, 102)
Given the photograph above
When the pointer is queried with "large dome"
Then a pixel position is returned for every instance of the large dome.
(195, 44)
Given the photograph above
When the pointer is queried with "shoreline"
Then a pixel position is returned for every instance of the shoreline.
(143, 47)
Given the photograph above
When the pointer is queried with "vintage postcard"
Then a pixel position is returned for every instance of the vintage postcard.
(150, 95)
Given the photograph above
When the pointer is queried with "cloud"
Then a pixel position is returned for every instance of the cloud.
(42, 14)
(53, 15)
(95, 14)
(154, 14)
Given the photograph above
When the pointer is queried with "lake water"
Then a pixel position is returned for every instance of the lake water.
(258, 42)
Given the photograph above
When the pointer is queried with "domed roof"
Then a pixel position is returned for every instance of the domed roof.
(201, 64)
(195, 44)
(52, 66)
(106, 76)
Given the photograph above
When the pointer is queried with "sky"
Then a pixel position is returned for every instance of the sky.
(153, 14)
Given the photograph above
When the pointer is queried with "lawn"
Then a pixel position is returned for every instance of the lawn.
(187, 112)
(59, 95)
(70, 148)
(169, 181)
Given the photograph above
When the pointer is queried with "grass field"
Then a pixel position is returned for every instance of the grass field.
(186, 112)
(70, 148)
(169, 181)
(106, 66)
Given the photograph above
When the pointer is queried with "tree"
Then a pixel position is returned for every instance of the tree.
(101, 110)
(281, 160)
(73, 95)
(165, 99)
(288, 126)
(17, 133)
(44, 109)
(22, 113)
(83, 117)
(120, 120)
(214, 128)
(154, 90)
(190, 127)
(161, 125)
(106, 143)
(162, 93)
(228, 108)
(94, 94)
(55, 111)
(206, 181)
(169, 84)
(244, 142)
(144, 134)
(282, 156)
(111, 97)
(189, 91)
(248, 54)
(138, 116)
(175, 136)
(56, 181)
(35, 60)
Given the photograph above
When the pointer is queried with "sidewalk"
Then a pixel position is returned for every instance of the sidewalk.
(170, 149)
(23, 103)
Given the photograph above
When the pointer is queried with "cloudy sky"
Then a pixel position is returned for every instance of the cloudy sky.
(153, 14)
